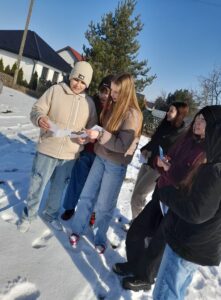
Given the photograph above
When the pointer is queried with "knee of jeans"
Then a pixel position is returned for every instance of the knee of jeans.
(37, 174)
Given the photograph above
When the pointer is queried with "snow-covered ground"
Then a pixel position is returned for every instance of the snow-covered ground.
(41, 264)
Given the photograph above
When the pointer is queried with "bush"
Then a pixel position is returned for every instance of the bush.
(7, 70)
(20, 76)
(150, 123)
(43, 85)
(13, 69)
(1, 65)
(34, 81)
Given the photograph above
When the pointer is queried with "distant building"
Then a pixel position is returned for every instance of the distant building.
(70, 55)
(37, 56)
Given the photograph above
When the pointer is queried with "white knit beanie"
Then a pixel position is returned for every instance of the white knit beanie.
(83, 71)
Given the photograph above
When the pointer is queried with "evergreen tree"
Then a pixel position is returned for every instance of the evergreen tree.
(34, 81)
(1, 65)
(113, 46)
(141, 101)
(20, 76)
(183, 96)
(161, 104)
(7, 70)
(13, 69)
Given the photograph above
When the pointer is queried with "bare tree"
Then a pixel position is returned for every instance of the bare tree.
(210, 92)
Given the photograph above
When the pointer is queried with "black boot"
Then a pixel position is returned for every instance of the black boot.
(122, 269)
(67, 214)
(135, 284)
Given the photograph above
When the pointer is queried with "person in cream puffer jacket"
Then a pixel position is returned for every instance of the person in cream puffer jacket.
(69, 107)
(68, 111)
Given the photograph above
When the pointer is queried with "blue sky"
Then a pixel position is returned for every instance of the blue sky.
(181, 39)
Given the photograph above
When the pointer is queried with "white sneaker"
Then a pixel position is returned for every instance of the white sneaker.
(126, 227)
(56, 225)
(23, 225)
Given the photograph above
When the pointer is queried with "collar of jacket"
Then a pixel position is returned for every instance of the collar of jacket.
(68, 90)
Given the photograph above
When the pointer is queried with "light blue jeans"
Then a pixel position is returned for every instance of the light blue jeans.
(174, 276)
(47, 168)
(102, 188)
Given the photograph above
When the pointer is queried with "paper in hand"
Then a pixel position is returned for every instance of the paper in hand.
(58, 132)
(97, 127)
(77, 134)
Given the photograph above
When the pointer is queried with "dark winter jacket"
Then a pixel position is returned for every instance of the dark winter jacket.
(183, 156)
(193, 227)
(165, 135)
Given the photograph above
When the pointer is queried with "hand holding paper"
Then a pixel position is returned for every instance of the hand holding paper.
(58, 132)
(44, 123)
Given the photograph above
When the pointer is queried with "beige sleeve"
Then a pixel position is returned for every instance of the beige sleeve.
(42, 106)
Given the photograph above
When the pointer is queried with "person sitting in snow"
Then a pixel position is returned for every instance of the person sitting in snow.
(69, 107)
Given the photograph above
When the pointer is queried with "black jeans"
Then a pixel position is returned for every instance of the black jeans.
(145, 261)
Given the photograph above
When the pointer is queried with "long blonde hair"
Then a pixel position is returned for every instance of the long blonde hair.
(126, 99)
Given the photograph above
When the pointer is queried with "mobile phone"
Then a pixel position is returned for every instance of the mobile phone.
(161, 153)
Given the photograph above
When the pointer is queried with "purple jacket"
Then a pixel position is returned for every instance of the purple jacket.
(182, 156)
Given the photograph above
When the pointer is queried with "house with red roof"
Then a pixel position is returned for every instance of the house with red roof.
(70, 55)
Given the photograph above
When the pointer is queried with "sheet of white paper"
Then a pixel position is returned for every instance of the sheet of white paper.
(74, 135)
(58, 132)
(97, 127)
(53, 126)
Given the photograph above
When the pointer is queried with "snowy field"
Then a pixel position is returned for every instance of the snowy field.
(41, 264)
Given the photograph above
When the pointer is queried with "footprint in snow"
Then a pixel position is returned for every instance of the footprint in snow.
(41, 241)
(21, 289)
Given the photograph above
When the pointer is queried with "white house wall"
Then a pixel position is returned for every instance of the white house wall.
(27, 65)
(68, 57)
(39, 66)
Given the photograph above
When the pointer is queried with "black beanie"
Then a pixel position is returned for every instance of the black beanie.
(106, 82)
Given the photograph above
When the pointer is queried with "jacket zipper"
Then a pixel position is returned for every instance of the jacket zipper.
(69, 119)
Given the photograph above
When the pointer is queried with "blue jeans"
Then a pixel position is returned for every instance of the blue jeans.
(174, 276)
(47, 168)
(101, 188)
(79, 175)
